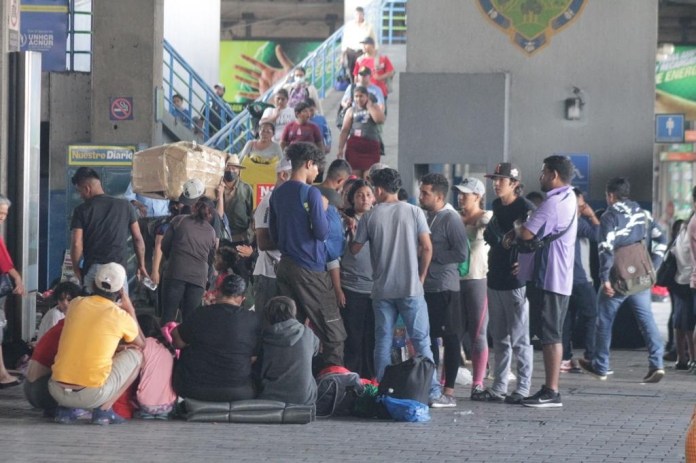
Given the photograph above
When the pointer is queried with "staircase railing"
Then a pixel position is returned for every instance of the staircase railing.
(322, 66)
(393, 22)
(201, 105)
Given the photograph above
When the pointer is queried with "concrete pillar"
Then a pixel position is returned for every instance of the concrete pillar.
(127, 64)
(8, 23)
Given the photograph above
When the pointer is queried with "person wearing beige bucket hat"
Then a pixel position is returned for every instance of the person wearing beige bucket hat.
(235, 200)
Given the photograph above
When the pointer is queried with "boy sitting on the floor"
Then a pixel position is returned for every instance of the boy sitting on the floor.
(287, 351)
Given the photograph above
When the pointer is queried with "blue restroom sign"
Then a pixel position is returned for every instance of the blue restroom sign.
(669, 128)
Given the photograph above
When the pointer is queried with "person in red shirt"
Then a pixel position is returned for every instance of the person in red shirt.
(380, 65)
(39, 370)
(301, 129)
(7, 266)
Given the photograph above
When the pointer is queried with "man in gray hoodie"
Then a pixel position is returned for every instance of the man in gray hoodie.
(287, 351)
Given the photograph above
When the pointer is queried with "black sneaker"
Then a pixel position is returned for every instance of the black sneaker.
(654, 375)
(587, 366)
(514, 399)
(486, 395)
(545, 398)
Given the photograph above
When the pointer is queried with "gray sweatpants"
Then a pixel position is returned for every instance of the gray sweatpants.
(508, 325)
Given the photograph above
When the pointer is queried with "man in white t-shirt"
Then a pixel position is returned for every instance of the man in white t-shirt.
(354, 32)
(264, 271)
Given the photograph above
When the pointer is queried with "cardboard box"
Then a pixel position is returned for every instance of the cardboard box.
(160, 172)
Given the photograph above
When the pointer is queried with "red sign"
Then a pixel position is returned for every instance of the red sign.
(678, 157)
(121, 108)
(262, 189)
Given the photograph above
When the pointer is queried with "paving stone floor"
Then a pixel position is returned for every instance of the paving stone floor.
(618, 420)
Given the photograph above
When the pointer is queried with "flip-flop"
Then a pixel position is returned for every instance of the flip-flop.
(14, 383)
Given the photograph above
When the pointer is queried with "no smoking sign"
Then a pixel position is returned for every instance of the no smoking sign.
(121, 108)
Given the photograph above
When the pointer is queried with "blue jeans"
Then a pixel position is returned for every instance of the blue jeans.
(582, 311)
(414, 312)
(607, 307)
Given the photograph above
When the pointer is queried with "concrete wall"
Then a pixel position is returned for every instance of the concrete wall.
(68, 94)
(608, 52)
(126, 62)
(193, 29)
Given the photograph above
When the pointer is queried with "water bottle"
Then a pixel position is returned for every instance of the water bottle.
(149, 283)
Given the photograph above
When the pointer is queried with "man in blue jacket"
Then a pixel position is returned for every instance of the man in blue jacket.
(625, 223)
(300, 229)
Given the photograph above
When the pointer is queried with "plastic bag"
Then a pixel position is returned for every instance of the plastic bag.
(407, 410)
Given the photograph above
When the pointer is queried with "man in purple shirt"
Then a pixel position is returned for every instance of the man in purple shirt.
(549, 234)
(299, 229)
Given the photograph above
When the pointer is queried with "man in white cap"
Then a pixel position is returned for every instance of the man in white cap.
(265, 286)
(91, 370)
(235, 200)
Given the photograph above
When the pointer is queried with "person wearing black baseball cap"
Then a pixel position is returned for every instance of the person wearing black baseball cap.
(507, 301)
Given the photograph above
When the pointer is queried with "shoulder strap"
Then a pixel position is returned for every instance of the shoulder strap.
(548, 239)
(304, 196)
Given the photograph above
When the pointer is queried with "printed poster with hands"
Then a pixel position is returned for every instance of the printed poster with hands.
(248, 68)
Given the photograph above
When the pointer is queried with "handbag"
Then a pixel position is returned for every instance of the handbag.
(632, 271)
(464, 266)
(6, 285)
(342, 111)
(408, 380)
(667, 271)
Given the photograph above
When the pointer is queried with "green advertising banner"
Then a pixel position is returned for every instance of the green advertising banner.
(675, 82)
(249, 68)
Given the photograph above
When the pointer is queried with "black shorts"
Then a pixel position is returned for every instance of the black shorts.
(553, 311)
(444, 313)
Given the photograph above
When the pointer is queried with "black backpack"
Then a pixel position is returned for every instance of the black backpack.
(409, 380)
(337, 393)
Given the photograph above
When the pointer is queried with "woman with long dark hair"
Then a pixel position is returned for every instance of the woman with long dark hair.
(359, 142)
(356, 283)
(189, 244)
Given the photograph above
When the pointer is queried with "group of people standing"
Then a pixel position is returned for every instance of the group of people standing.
(451, 273)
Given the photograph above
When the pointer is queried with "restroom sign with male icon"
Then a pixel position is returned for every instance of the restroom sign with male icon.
(669, 128)
(121, 108)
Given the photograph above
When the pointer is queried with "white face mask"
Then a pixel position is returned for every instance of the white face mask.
(299, 78)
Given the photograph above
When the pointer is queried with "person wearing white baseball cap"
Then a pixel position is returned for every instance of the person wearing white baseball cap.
(472, 277)
(264, 273)
(88, 371)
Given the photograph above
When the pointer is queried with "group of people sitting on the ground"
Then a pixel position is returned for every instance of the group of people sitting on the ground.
(101, 352)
